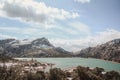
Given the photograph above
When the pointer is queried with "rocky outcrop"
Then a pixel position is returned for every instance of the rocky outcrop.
(108, 51)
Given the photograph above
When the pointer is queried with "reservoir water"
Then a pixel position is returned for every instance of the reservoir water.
(64, 63)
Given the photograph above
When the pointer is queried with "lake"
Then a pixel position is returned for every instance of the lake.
(64, 63)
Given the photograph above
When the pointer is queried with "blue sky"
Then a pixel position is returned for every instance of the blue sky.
(71, 24)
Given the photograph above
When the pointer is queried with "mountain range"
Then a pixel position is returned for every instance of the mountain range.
(41, 47)
(35, 48)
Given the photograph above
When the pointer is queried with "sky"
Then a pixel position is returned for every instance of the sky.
(70, 24)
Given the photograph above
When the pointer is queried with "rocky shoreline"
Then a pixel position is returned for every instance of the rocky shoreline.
(27, 65)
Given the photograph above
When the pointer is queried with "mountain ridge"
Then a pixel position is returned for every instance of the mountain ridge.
(40, 47)
(107, 51)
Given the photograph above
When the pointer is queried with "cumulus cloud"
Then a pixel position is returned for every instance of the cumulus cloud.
(33, 11)
(78, 44)
(82, 1)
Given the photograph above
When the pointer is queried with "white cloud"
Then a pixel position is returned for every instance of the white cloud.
(71, 44)
(25, 31)
(3, 36)
(9, 28)
(74, 28)
(29, 32)
(33, 11)
(82, 1)
(59, 30)
(80, 27)
(77, 44)
(107, 35)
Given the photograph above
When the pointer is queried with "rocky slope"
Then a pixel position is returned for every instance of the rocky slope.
(36, 48)
(108, 51)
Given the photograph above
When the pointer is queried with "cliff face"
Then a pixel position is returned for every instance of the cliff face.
(108, 51)
(36, 48)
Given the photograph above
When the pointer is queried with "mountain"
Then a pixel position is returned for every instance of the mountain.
(43, 48)
(108, 51)
(35, 48)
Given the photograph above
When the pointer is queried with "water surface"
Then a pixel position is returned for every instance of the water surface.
(73, 62)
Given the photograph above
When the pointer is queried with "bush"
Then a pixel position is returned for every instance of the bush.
(57, 74)
(112, 75)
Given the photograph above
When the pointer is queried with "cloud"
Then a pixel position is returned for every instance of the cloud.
(59, 30)
(33, 11)
(78, 44)
(71, 44)
(3, 36)
(9, 28)
(29, 32)
(107, 35)
(74, 28)
(80, 27)
(82, 1)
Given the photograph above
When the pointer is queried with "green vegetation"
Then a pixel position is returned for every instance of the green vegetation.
(80, 73)
(112, 75)
(14, 73)
(57, 74)
(5, 58)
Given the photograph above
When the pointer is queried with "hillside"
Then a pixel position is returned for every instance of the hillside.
(108, 51)
(35, 48)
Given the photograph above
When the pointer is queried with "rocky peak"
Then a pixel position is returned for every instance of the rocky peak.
(60, 49)
(114, 42)
(6, 40)
(41, 41)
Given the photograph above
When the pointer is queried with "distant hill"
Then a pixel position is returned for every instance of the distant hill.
(36, 48)
(108, 51)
